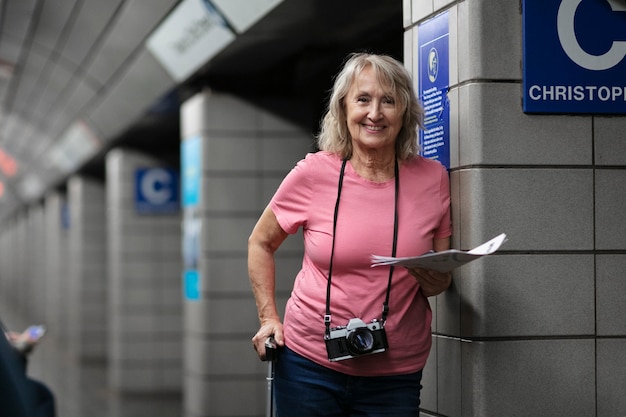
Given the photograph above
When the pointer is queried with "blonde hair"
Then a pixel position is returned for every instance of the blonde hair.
(334, 135)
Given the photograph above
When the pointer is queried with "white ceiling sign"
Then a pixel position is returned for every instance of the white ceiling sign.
(75, 145)
(189, 37)
(244, 13)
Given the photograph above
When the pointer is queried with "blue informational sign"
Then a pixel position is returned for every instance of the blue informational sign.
(433, 83)
(191, 285)
(192, 226)
(191, 163)
(574, 56)
(156, 191)
(65, 216)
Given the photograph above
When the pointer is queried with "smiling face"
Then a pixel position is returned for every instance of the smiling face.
(373, 116)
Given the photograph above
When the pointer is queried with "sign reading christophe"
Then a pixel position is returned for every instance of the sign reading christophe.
(575, 56)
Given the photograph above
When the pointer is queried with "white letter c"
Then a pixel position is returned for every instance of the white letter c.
(155, 186)
(567, 36)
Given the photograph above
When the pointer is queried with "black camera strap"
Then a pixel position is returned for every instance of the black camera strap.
(327, 316)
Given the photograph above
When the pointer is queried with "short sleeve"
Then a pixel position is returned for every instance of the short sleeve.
(292, 200)
(445, 227)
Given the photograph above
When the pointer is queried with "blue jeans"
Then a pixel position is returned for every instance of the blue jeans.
(306, 389)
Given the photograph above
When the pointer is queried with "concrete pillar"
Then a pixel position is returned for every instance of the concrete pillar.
(57, 288)
(21, 296)
(144, 263)
(535, 329)
(12, 289)
(87, 268)
(23, 268)
(245, 152)
(37, 274)
(5, 265)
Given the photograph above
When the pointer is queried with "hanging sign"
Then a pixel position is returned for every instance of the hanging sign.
(574, 56)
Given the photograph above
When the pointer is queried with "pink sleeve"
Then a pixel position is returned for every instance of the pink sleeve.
(290, 204)
(445, 227)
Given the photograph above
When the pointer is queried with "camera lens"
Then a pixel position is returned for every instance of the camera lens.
(360, 340)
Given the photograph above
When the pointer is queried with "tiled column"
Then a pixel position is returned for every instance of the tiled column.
(537, 329)
(21, 295)
(245, 153)
(37, 273)
(144, 263)
(12, 290)
(28, 271)
(87, 267)
(56, 231)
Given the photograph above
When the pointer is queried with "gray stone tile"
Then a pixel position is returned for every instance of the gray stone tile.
(528, 296)
(610, 292)
(610, 200)
(609, 140)
(449, 377)
(489, 40)
(529, 378)
(538, 209)
(611, 375)
(494, 130)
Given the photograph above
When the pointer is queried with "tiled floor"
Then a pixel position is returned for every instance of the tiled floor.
(80, 387)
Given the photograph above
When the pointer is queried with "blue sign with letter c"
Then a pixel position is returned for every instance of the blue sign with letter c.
(570, 66)
(156, 191)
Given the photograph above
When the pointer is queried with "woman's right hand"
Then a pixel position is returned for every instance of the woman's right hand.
(269, 328)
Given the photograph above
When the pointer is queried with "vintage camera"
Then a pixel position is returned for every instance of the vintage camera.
(356, 339)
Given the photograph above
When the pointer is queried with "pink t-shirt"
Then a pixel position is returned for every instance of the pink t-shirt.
(306, 198)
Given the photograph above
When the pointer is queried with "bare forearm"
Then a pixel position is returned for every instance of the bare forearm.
(265, 239)
(261, 270)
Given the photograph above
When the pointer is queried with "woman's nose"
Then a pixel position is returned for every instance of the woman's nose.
(374, 112)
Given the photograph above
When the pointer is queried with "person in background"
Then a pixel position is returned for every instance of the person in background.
(25, 341)
(355, 339)
(20, 395)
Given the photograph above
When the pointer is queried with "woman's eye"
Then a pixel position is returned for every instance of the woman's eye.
(362, 99)
(389, 100)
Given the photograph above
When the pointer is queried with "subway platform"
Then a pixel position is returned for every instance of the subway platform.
(80, 387)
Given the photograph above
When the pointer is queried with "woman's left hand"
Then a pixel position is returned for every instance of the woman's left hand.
(431, 282)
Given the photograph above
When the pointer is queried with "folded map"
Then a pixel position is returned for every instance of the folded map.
(443, 261)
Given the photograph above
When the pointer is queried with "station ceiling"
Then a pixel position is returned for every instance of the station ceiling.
(76, 78)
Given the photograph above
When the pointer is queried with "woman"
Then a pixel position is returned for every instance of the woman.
(365, 192)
